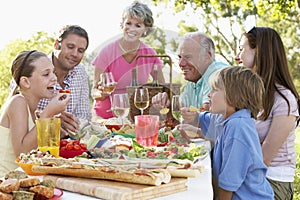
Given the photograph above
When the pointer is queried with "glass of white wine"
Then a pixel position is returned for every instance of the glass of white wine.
(141, 99)
(108, 84)
(121, 106)
(178, 102)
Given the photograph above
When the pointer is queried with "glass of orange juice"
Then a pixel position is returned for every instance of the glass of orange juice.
(48, 135)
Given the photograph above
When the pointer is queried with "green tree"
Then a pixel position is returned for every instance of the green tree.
(40, 41)
(224, 22)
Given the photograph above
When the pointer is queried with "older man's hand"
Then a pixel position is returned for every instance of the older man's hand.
(160, 100)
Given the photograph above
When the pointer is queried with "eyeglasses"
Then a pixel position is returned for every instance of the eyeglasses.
(253, 31)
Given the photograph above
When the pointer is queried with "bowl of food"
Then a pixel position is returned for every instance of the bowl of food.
(34, 158)
(70, 153)
(27, 167)
(115, 124)
(71, 148)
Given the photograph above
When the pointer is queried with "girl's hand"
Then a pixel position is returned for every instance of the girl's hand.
(56, 105)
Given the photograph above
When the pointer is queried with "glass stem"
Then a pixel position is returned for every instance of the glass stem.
(122, 121)
(111, 104)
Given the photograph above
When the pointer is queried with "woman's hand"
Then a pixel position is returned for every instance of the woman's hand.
(98, 94)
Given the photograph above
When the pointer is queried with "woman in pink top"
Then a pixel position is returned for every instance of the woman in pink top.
(119, 57)
(262, 50)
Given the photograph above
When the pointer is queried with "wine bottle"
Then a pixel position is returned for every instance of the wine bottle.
(134, 81)
(155, 81)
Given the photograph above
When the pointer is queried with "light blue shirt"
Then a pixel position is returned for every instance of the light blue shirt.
(197, 92)
(238, 162)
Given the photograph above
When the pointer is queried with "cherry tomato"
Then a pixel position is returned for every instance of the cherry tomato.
(77, 147)
(151, 154)
(65, 91)
(76, 141)
(63, 142)
(171, 137)
(69, 146)
(83, 146)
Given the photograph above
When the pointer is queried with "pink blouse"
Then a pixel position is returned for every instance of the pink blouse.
(110, 59)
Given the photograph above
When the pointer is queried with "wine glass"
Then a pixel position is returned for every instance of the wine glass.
(121, 106)
(178, 102)
(108, 84)
(141, 99)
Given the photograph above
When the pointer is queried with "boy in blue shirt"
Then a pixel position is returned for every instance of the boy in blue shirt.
(238, 168)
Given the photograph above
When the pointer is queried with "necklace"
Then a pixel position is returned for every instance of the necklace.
(128, 51)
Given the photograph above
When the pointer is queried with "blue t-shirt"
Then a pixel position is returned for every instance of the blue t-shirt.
(197, 92)
(238, 162)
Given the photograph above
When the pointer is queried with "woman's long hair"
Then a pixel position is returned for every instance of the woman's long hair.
(272, 65)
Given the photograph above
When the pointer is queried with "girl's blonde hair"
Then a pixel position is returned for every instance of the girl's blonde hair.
(243, 88)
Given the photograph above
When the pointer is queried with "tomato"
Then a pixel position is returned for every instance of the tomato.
(76, 141)
(171, 137)
(83, 146)
(63, 148)
(162, 144)
(77, 147)
(63, 142)
(69, 146)
(150, 154)
(64, 91)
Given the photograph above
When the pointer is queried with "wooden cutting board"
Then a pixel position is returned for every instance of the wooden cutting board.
(114, 190)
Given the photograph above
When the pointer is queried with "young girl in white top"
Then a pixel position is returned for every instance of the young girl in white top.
(33, 74)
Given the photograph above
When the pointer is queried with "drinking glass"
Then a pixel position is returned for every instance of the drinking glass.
(121, 106)
(48, 135)
(108, 84)
(178, 102)
(141, 99)
(146, 129)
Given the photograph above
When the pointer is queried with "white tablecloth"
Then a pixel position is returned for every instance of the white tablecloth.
(198, 188)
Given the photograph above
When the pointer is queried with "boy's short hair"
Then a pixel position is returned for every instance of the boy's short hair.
(244, 89)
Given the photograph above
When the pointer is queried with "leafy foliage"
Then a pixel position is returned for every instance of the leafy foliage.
(224, 22)
(40, 41)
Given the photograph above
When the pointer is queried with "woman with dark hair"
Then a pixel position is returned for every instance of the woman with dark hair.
(262, 50)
